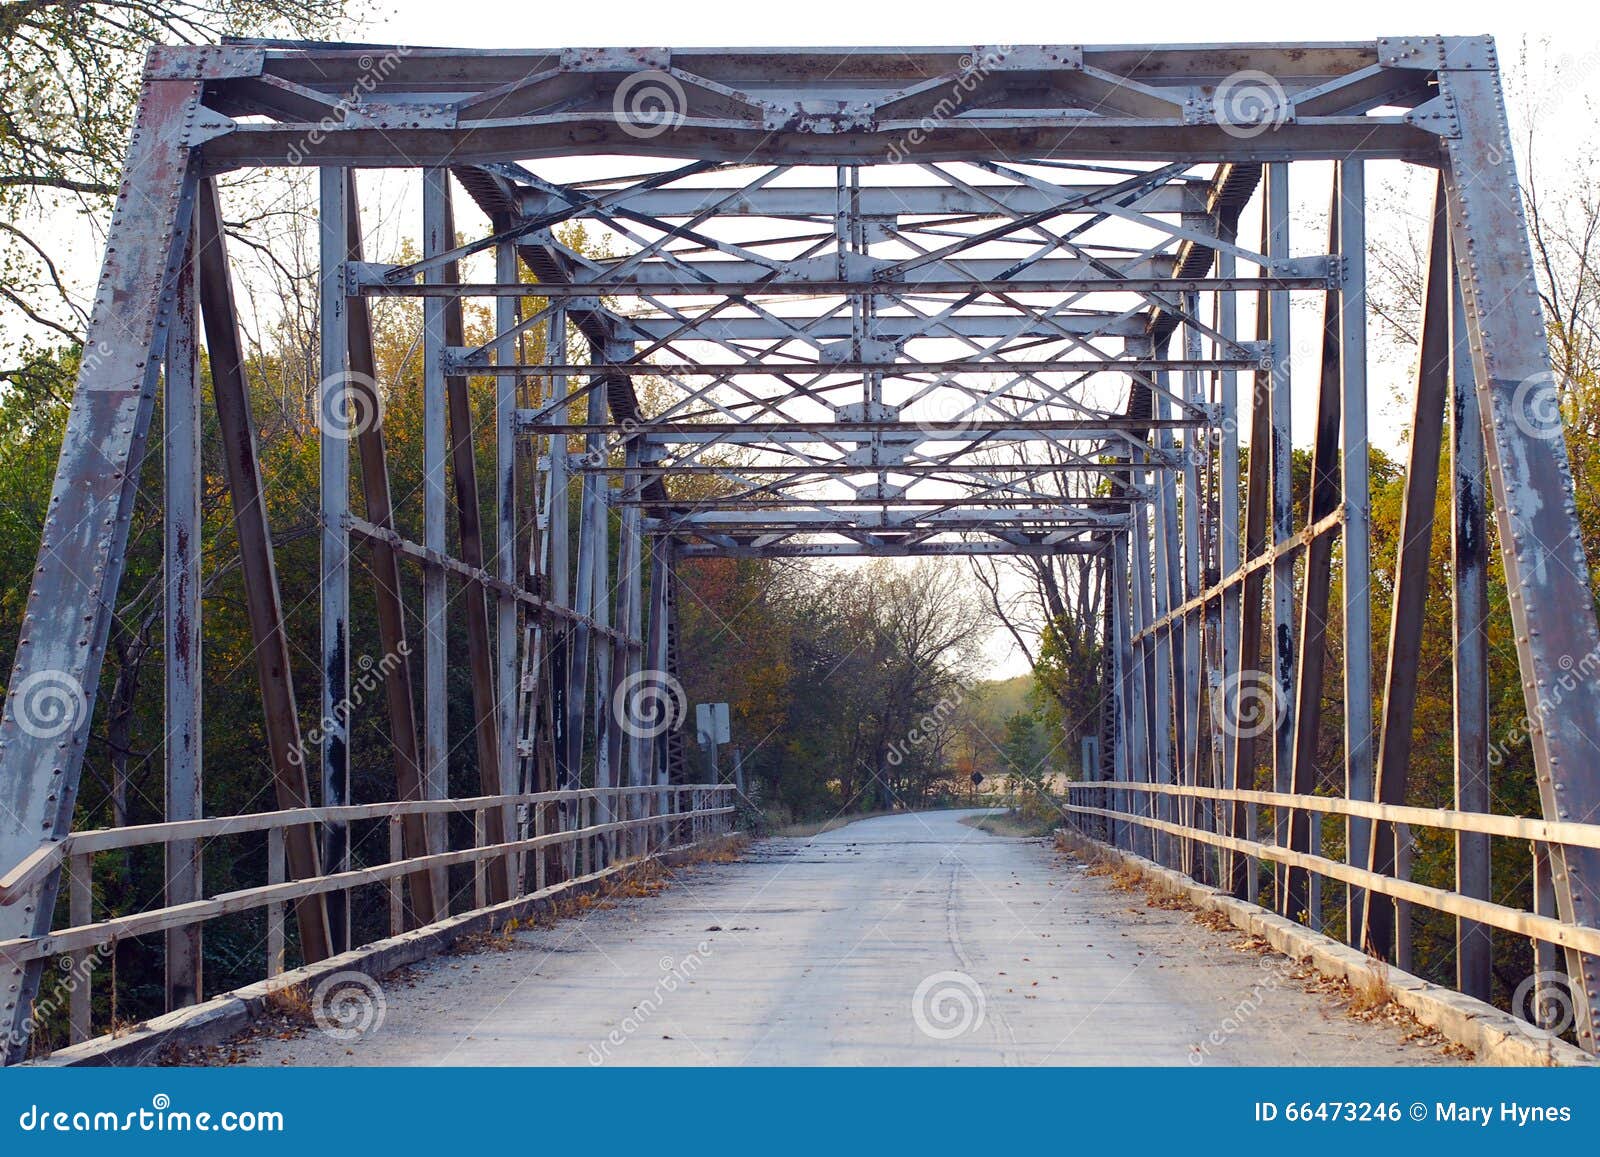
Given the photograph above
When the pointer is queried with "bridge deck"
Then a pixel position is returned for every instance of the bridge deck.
(812, 951)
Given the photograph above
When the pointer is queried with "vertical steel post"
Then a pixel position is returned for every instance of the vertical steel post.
(474, 595)
(562, 631)
(656, 641)
(334, 427)
(435, 644)
(1245, 882)
(427, 886)
(1157, 744)
(505, 542)
(626, 741)
(1547, 576)
(1355, 480)
(1130, 722)
(591, 529)
(1230, 816)
(1279, 451)
(1470, 628)
(1194, 624)
(181, 421)
(1305, 828)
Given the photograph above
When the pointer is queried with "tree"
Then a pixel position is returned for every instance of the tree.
(73, 73)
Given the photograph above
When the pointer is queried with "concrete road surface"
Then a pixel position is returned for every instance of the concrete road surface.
(911, 939)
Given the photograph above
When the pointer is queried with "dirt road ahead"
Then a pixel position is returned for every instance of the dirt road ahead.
(912, 939)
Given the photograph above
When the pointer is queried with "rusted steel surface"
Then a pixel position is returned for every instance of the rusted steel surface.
(52, 689)
(426, 895)
(1547, 575)
(230, 384)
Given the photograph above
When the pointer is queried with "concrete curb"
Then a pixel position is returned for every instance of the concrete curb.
(223, 1017)
(1497, 1037)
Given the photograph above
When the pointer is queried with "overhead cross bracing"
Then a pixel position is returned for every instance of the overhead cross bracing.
(857, 363)
(835, 303)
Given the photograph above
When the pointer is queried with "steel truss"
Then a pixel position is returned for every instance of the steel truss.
(853, 303)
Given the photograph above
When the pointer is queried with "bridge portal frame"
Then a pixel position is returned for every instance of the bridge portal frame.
(1201, 583)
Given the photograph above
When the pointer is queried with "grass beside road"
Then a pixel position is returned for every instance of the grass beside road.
(1013, 824)
(806, 829)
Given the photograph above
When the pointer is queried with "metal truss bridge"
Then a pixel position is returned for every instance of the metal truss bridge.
(863, 302)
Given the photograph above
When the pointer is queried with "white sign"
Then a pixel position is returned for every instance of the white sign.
(711, 724)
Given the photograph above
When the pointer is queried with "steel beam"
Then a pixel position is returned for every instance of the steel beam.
(48, 710)
(435, 635)
(335, 426)
(1356, 499)
(469, 532)
(426, 893)
(1547, 575)
(285, 746)
(181, 626)
(1412, 569)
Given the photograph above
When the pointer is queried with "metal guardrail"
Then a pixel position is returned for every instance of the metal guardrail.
(648, 820)
(1139, 816)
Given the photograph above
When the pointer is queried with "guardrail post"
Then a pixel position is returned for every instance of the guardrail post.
(1546, 956)
(275, 875)
(397, 904)
(80, 901)
(540, 859)
(480, 889)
